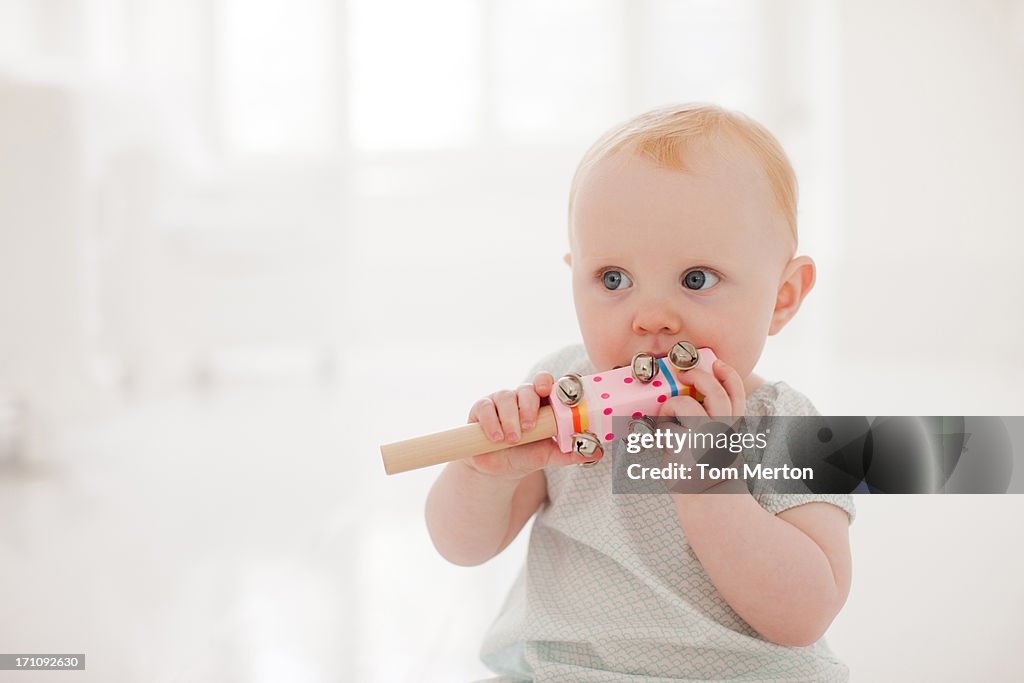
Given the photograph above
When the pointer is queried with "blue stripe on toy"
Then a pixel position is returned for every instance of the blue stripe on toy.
(667, 372)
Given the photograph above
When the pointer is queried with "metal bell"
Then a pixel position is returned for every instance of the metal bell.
(684, 355)
(569, 389)
(642, 425)
(585, 444)
(645, 367)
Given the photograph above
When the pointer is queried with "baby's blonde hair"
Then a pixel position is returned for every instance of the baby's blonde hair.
(664, 134)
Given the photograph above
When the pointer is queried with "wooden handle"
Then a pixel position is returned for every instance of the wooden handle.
(454, 444)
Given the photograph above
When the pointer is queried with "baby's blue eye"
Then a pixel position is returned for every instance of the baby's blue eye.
(699, 279)
(615, 279)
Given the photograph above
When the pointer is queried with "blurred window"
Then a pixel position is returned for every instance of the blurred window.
(415, 73)
(278, 79)
(557, 66)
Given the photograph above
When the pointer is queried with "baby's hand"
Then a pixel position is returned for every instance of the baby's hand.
(723, 391)
(724, 396)
(504, 416)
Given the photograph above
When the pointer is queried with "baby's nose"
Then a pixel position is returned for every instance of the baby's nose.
(657, 319)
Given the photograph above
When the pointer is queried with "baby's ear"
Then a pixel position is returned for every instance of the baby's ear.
(568, 259)
(797, 280)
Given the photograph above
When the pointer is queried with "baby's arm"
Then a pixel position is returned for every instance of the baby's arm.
(478, 505)
(472, 516)
(787, 575)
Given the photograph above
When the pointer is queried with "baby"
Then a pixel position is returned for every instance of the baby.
(682, 225)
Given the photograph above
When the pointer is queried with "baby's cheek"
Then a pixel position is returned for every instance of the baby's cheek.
(743, 357)
(604, 348)
(737, 347)
(605, 358)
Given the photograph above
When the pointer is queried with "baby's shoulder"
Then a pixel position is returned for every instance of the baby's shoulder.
(778, 398)
(571, 358)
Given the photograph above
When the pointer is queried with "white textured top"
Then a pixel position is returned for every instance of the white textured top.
(612, 591)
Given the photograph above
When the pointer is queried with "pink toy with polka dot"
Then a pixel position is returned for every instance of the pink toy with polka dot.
(581, 414)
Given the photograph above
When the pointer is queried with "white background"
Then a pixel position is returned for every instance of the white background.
(244, 243)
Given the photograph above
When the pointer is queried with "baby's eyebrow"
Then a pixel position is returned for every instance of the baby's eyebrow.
(604, 260)
(716, 263)
(699, 257)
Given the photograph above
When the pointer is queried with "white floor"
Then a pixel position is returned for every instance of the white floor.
(251, 535)
(244, 536)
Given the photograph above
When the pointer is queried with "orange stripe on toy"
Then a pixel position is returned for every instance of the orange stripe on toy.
(579, 417)
(691, 391)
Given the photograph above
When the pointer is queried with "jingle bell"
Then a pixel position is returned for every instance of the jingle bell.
(644, 367)
(642, 425)
(585, 444)
(684, 355)
(569, 389)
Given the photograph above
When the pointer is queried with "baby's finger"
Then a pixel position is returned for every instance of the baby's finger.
(543, 383)
(483, 412)
(716, 400)
(733, 384)
(508, 412)
(529, 403)
(682, 407)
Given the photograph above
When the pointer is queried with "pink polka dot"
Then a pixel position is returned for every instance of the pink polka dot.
(607, 411)
(628, 380)
(606, 395)
(656, 382)
(609, 437)
(598, 378)
(637, 414)
(662, 398)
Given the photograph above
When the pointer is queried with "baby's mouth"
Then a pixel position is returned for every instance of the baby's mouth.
(657, 353)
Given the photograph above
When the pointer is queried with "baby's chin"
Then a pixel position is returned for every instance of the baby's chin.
(614, 364)
(613, 360)
(603, 362)
(621, 361)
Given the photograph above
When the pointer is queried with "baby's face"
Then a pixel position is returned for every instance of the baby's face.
(660, 255)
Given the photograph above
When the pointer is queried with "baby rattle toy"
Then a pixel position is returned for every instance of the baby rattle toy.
(579, 417)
